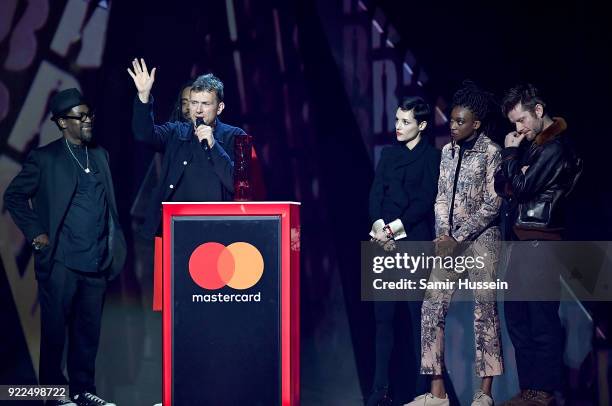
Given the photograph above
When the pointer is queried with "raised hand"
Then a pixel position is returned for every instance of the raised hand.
(142, 79)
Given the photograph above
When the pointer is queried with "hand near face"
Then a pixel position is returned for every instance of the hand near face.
(205, 132)
(143, 80)
(513, 139)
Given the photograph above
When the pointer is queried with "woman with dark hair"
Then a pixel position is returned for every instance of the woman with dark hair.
(401, 208)
(466, 212)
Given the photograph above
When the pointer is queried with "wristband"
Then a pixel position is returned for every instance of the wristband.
(388, 232)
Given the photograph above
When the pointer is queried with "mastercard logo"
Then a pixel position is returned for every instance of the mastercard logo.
(213, 265)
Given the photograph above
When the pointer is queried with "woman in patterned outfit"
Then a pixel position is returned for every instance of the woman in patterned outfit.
(466, 212)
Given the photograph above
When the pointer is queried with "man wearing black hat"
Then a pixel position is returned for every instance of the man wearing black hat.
(78, 245)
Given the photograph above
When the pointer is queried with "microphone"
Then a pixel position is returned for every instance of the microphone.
(204, 142)
(199, 122)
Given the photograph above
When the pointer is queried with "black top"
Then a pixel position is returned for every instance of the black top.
(39, 197)
(405, 187)
(83, 239)
(463, 146)
(199, 182)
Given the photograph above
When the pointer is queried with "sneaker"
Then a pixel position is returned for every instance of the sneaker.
(89, 399)
(429, 400)
(379, 397)
(482, 399)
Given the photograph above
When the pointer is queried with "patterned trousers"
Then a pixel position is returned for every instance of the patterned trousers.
(487, 328)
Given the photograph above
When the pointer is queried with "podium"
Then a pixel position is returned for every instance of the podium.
(231, 303)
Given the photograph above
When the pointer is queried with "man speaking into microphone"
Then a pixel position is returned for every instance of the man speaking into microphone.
(198, 156)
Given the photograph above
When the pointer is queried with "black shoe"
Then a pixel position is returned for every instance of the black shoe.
(379, 397)
(89, 399)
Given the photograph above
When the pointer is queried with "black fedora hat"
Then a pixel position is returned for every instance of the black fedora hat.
(65, 100)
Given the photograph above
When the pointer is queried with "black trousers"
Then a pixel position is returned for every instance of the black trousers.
(534, 325)
(71, 306)
(408, 372)
(537, 336)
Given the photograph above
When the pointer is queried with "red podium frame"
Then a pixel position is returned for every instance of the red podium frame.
(290, 284)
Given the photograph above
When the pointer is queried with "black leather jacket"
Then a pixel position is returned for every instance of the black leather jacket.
(536, 195)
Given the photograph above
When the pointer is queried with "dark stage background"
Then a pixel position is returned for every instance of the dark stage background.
(316, 83)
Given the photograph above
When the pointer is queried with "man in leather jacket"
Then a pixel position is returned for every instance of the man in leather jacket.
(538, 170)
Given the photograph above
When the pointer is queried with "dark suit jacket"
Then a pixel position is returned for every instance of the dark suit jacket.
(173, 139)
(405, 187)
(48, 179)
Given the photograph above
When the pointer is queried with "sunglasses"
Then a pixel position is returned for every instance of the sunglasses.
(82, 117)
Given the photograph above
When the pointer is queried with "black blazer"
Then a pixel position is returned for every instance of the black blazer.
(405, 187)
(48, 179)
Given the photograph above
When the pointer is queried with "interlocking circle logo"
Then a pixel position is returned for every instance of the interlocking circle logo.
(213, 265)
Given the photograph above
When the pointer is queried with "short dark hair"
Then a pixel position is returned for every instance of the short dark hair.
(526, 94)
(420, 109)
(208, 83)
